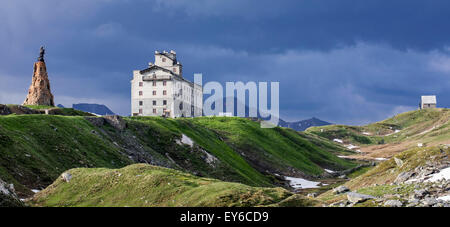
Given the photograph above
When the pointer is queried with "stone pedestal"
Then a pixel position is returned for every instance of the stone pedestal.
(39, 92)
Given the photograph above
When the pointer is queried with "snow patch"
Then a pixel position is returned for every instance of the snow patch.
(445, 198)
(300, 183)
(329, 171)
(351, 146)
(443, 174)
(185, 140)
(35, 190)
(338, 141)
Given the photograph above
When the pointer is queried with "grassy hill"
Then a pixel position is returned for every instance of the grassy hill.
(35, 149)
(427, 125)
(142, 185)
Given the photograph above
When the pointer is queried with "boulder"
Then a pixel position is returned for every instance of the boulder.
(404, 176)
(341, 189)
(66, 177)
(312, 195)
(357, 197)
(393, 203)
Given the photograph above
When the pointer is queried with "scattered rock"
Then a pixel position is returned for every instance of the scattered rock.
(357, 197)
(96, 121)
(419, 194)
(393, 203)
(341, 189)
(66, 177)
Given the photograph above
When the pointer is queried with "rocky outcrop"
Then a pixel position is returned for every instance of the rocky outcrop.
(8, 197)
(39, 92)
(116, 121)
(4, 110)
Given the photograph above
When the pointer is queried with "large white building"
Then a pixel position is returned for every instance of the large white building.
(161, 90)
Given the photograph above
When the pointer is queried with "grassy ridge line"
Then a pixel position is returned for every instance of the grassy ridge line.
(142, 185)
(413, 125)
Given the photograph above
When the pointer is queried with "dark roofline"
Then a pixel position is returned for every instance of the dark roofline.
(166, 70)
(156, 67)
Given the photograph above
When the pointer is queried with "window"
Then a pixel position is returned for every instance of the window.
(141, 84)
(164, 102)
(141, 103)
(154, 76)
(175, 70)
(164, 83)
(154, 102)
(164, 92)
(154, 111)
(154, 92)
(163, 59)
(154, 83)
(181, 106)
(140, 93)
(140, 111)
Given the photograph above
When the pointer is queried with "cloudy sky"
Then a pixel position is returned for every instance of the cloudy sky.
(344, 61)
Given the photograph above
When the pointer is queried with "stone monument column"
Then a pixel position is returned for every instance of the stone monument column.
(39, 92)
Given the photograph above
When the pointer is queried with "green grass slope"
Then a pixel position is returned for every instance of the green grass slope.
(142, 185)
(35, 149)
(237, 139)
(427, 125)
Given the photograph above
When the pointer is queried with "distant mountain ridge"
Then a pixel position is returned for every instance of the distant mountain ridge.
(304, 124)
(98, 109)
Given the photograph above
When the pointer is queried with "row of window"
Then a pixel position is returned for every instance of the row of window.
(141, 84)
(154, 111)
(141, 93)
(141, 103)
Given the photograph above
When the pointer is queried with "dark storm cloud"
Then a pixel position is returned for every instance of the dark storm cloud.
(343, 61)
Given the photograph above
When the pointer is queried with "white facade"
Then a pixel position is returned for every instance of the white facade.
(161, 90)
(427, 101)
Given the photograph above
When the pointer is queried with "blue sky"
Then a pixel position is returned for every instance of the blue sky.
(343, 61)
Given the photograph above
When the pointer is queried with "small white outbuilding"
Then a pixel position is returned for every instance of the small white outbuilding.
(428, 101)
